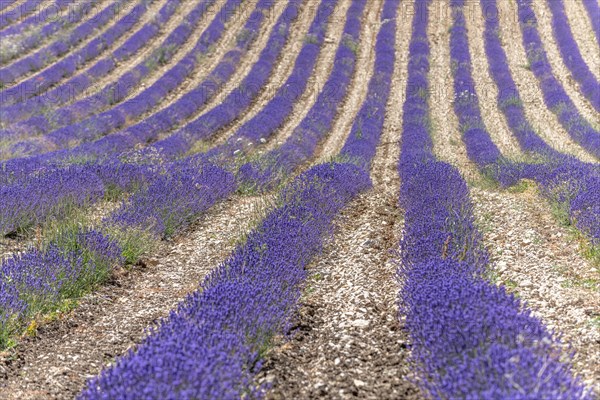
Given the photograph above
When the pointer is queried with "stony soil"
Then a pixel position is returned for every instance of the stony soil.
(56, 362)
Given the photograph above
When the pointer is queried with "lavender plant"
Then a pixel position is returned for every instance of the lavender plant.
(470, 338)
(588, 84)
(37, 280)
(210, 346)
(37, 104)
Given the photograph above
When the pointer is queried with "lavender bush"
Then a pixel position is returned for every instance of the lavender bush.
(210, 346)
(37, 105)
(38, 279)
(470, 338)
(588, 84)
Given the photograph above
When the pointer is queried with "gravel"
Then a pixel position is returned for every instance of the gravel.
(348, 341)
(560, 70)
(540, 261)
(544, 121)
(56, 362)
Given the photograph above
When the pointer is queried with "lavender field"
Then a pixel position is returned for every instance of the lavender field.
(299, 199)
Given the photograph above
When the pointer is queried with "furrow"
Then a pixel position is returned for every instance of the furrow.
(110, 321)
(544, 121)
(561, 72)
(357, 90)
(583, 33)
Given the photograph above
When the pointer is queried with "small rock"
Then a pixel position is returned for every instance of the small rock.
(359, 383)
(526, 283)
(361, 323)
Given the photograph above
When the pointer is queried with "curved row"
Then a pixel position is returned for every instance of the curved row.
(17, 45)
(569, 50)
(40, 113)
(58, 47)
(6, 3)
(23, 10)
(101, 124)
(44, 80)
(470, 338)
(554, 94)
(190, 191)
(45, 19)
(593, 10)
(270, 169)
(564, 179)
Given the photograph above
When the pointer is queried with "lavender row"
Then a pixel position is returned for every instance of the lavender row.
(166, 200)
(588, 84)
(260, 127)
(228, 385)
(56, 48)
(39, 83)
(21, 44)
(20, 179)
(554, 94)
(593, 10)
(40, 279)
(470, 339)
(9, 17)
(207, 124)
(47, 14)
(360, 146)
(210, 346)
(223, 332)
(562, 178)
(163, 205)
(272, 167)
(99, 125)
(148, 129)
(566, 180)
(5, 4)
(39, 109)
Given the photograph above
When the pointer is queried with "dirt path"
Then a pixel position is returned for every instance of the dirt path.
(349, 318)
(123, 11)
(64, 32)
(357, 91)
(56, 363)
(284, 69)
(485, 86)
(544, 121)
(538, 259)
(581, 26)
(529, 248)
(560, 70)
